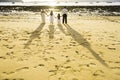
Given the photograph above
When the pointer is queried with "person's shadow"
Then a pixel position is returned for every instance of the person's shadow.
(63, 30)
(51, 31)
(34, 34)
(82, 41)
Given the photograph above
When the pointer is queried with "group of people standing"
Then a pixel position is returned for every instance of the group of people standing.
(64, 13)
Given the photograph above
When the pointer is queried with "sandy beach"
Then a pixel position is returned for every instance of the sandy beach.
(87, 48)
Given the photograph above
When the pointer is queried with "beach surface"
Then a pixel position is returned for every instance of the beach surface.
(87, 48)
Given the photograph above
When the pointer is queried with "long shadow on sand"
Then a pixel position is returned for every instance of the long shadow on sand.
(34, 34)
(51, 31)
(62, 29)
(82, 41)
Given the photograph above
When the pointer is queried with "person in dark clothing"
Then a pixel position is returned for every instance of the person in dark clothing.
(58, 18)
(64, 15)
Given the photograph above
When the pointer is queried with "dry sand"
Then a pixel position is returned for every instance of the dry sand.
(88, 48)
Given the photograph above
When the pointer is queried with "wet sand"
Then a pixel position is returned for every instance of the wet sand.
(87, 48)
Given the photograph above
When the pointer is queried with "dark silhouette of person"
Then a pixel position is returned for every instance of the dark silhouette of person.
(64, 15)
(58, 18)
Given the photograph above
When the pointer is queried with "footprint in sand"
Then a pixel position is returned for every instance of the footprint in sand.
(27, 32)
(92, 64)
(57, 42)
(23, 39)
(73, 42)
(98, 73)
(76, 52)
(39, 65)
(60, 39)
(117, 62)
(9, 46)
(67, 67)
(111, 48)
(112, 36)
(113, 44)
(46, 59)
(2, 57)
(75, 79)
(52, 58)
(106, 45)
(115, 67)
(9, 53)
(88, 65)
(18, 79)
(1, 31)
(13, 79)
(5, 39)
(64, 56)
(8, 73)
(68, 47)
(6, 79)
(22, 68)
(67, 61)
(53, 71)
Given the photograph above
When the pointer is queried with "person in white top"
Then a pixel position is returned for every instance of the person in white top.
(43, 13)
(51, 17)
(64, 15)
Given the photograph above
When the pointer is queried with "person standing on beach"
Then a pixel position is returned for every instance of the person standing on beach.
(58, 18)
(51, 17)
(43, 13)
(64, 15)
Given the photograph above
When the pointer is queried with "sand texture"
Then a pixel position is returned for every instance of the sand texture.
(87, 48)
